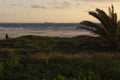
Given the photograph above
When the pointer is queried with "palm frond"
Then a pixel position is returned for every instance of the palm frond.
(102, 18)
(93, 28)
(118, 30)
(110, 27)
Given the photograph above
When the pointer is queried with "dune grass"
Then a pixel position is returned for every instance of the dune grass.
(46, 58)
(58, 66)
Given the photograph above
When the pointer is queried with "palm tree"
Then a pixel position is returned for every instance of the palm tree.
(109, 29)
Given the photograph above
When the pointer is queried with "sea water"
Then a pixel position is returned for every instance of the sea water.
(41, 29)
(38, 26)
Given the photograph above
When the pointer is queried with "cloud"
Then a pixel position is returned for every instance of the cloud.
(52, 4)
(100, 0)
(58, 4)
(95, 0)
(58, 7)
(38, 6)
(16, 4)
(62, 5)
(67, 3)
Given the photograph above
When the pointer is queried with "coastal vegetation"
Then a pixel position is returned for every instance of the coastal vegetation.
(109, 29)
(54, 58)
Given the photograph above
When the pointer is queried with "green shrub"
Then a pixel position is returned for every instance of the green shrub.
(60, 77)
(59, 59)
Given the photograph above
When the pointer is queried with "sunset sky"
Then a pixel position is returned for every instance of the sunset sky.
(58, 11)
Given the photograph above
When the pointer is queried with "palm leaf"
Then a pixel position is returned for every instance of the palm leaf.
(110, 27)
(93, 26)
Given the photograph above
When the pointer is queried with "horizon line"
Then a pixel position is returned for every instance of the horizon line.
(39, 22)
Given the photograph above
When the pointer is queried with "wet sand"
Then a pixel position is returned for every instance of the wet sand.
(50, 33)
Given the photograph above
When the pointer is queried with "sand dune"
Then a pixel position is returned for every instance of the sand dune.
(50, 33)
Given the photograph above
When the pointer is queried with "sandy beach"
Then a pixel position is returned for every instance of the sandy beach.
(50, 33)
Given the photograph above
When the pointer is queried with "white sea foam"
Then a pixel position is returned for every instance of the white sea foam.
(10, 28)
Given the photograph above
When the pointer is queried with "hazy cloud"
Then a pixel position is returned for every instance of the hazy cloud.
(100, 0)
(58, 7)
(38, 6)
(48, 4)
(67, 3)
(16, 5)
(64, 4)
(54, 2)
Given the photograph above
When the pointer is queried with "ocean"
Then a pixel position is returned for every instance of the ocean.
(39, 26)
(41, 29)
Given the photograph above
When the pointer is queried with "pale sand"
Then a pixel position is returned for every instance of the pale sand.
(50, 33)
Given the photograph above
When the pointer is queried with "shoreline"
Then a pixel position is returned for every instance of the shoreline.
(49, 33)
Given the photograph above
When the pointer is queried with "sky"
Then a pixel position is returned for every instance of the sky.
(56, 11)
